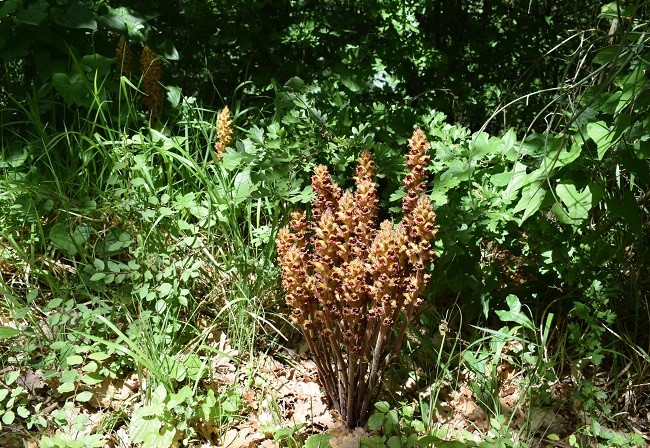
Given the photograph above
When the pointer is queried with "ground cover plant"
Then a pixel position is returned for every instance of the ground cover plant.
(151, 294)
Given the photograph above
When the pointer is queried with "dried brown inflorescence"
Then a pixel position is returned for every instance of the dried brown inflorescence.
(224, 132)
(123, 57)
(353, 287)
(151, 68)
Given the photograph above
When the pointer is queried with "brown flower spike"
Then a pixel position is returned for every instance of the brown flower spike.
(224, 132)
(151, 69)
(353, 287)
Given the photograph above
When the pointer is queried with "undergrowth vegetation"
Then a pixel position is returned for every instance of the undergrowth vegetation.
(141, 300)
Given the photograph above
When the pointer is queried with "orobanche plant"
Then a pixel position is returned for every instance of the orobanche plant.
(352, 286)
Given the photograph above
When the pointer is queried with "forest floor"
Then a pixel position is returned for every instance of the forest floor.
(282, 404)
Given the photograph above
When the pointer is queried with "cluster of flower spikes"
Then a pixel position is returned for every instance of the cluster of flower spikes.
(346, 280)
(151, 68)
(224, 132)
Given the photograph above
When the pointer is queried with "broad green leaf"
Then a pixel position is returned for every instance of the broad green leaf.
(97, 276)
(484, 145)
(22, 411)
(319, 441)
(180, 397)
(628, 209)
(126, 22)
(84, 396)
(295, 83)
(351, 83)
(577, 203)
(9, 7)
(77, 15)
(531, 200)
(600, 133)
(167, 50)
(92, 378)
(441, 186)
(606, 55)
(375, 421)
(514, 313)
(151, 432)
(174, 95)
(14, 156)
(73, 88)
(7, 332)
(11, 377)
(74, 360)
(8, 417)
(96, 62)
(62, 240)
(34, 14)
(66, 387)
(99, 356)
(394, 442)
(164, 289)
(517, 180)
(382, 406)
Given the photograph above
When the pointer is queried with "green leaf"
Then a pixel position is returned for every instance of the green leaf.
(9, 7)
(319, 441)
(78, 16)
(531, 200)
(607, 55)
(12, 377)
(152, 432)
(514, 314)
(375, 421)
(73, 88)
(92, 378)
(180, 397)
(165, 289)
(34, 14)
(394, 442)
(125, 21)
(74, 360)
(577, 203)
(351, 84)
(8, 417)
(382, 406)
(174, 95)
(98, 63)
(444, 183)
(13, 156)
(62, 240)
(628, 209)
(8, 332)
(84, 396)
(99, 356)
(66, 387)
(167, 50)
(22, 411)
(600, 133)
